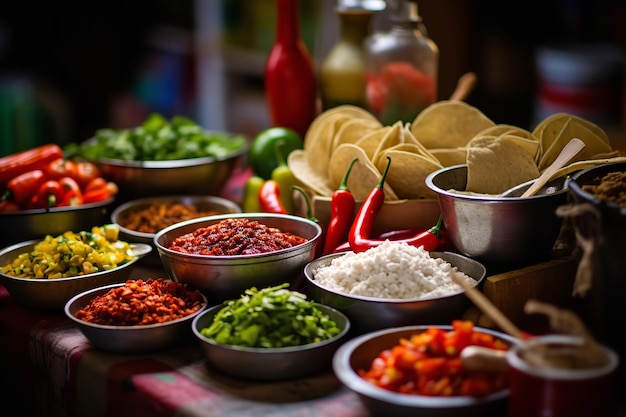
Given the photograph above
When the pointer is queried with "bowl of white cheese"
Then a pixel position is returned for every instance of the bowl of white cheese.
(392, 285)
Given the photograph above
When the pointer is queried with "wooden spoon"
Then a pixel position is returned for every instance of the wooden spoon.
(487, 307)
(567, 153)
(464, 86)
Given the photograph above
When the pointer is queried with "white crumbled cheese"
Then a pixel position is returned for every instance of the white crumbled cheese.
(391, 270)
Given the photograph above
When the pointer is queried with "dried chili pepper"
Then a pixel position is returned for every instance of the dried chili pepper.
(342, 206)
(269, 198)
(361, 230)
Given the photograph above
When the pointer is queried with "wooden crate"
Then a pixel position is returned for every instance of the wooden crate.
(550, 282)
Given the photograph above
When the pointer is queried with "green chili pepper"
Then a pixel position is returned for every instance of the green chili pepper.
(284, 177)
(251, 203)
(307, 201)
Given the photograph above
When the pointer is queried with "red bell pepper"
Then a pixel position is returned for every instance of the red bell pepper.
(36, 158)
(342, 206)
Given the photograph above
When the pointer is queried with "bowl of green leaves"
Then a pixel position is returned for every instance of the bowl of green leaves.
(162, 157)
(271, 334)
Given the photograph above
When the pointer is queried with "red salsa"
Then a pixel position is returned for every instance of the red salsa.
(238, 236)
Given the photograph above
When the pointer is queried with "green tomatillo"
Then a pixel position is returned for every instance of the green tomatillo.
(262, 153)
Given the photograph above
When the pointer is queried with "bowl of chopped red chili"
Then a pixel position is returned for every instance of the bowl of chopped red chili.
(140, 219)
(227, 254)
(417, 371)
(136, 316)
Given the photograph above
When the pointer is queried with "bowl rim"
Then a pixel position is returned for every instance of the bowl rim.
(281, 350)
(252, 216)
(147, 201)
(601, 170)
(173, 163)
(29, 243)
(313, 281)
(62, 209)
(104, 289)
(345, 373)
(430, 183)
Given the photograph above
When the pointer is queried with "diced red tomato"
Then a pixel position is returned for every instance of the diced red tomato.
(429, 363)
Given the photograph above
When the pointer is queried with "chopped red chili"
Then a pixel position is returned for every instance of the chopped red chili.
(140, 302)
(235, 236)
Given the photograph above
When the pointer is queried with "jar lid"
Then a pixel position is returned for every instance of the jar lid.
(370, 5)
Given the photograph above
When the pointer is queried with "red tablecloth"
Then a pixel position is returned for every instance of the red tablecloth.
(48, 368)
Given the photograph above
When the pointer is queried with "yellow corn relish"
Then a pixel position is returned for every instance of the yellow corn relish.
(72, 254)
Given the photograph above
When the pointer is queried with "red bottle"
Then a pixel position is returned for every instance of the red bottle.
(290, 85)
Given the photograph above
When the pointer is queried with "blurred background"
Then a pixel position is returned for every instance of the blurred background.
(68, 68)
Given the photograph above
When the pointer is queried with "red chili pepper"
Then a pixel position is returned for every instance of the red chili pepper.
(72, 198)
(98, 190)
(342, 206)
(7, 206)
(59, 168)
(269, 197)
(96, 195)
(95, 184)
(18, 163)
(361, 230)
(85, 172)
(50, 194)
(21, 188)
(72, 194)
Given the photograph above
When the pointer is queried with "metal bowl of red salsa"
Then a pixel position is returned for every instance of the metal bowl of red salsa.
(224, 255)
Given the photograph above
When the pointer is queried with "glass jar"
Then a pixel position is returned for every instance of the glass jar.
(402, 67)
(342, 73)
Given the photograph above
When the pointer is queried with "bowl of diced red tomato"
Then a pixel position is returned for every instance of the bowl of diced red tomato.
(42, 192)
(418, 371)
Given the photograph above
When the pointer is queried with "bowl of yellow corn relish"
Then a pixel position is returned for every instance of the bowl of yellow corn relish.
(46, 273)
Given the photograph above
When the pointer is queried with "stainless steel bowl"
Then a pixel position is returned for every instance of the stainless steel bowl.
(500, 232)
(270, 363)
(25, 225)
(204, 203)
(369, 313)
(227, 277)
(128, 339)
(359, 352)
(54, 293)
(137, 179)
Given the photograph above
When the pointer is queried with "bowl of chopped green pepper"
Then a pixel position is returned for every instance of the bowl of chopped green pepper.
(161, 157)
(271, 334)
